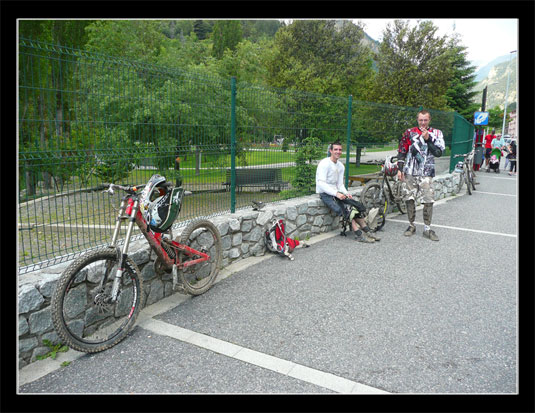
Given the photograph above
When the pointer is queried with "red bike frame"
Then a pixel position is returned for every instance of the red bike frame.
(133, 213)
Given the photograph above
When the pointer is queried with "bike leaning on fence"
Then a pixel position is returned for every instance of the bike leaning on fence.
(466, 172)
(386, 193)
(99, 296)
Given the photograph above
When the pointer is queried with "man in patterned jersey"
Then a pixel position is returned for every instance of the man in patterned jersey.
(417, 150)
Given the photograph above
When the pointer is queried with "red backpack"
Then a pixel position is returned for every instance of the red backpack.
(277, 241)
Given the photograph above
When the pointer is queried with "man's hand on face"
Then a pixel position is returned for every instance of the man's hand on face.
(425, 133)
(423, 124)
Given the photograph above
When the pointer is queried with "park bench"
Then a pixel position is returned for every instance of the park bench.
(266, 178)
(363, 178)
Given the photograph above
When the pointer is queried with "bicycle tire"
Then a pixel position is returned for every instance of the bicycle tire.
(381, 218)
(467, 180)
(372, 197)
(83, 319)
(472, 178)
(200, 235)
(397, 195)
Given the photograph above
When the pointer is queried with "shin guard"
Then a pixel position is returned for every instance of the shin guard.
(428, 214)
(411, 211)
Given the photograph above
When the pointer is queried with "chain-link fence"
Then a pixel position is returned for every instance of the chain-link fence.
(86, 119)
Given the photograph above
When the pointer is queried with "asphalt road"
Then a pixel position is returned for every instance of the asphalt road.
(402, 316)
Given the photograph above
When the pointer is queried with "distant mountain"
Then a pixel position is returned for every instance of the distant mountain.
(484, 71)
(496, 80)
(372, 43)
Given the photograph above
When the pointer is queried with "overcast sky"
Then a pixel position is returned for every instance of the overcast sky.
(485, 39)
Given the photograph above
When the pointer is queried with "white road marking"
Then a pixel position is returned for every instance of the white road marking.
(494, 177)
(457, 228)
(145, 320)
(492, 193)
(278, 365)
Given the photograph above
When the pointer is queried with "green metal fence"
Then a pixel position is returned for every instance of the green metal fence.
(86, 119)
(463, 139)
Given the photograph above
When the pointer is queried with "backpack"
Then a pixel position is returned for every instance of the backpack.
(277, 241)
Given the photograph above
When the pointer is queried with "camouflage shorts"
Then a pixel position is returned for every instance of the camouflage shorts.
(418, 185)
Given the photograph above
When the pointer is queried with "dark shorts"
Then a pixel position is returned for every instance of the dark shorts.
(487, 152)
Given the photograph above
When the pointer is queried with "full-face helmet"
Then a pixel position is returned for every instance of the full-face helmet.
(160, 203)
(390, 168)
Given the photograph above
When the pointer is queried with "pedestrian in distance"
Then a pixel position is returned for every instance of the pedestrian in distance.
(478, 151)
(498, 143)
(512, 157)
(417, 151)
(333, 193)
(488, 146)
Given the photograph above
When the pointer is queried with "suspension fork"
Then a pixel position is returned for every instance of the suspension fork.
(118, 221)
(122, 257)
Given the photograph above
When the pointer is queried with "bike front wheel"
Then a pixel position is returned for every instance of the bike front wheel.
(202, 236)
(83, 313)
(372, 196)
(466, 174)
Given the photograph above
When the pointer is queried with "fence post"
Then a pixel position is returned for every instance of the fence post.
(233, 145)
(348, 144)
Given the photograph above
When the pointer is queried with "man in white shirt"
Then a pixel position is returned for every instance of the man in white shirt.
(331, 189)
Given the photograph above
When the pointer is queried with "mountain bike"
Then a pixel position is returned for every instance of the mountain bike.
(384, 195)
(466, 172)
(99, 296)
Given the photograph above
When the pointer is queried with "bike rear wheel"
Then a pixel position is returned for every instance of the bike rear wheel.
(472, 178)
(202, 236)
(398, 195)
(466, 174)
(82, 313)
(372, 196)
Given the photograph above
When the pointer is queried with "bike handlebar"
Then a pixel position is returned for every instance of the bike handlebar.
(464, 155)
(128, 189)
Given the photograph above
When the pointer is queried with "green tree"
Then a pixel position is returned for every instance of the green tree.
(202, 29)
(315, 56)
(414, 67)
(247, 62)
(460, 93)
(255, 30)
(140, 40)
(226, 35)
(305, 171)
(45, 77)
(495, 118)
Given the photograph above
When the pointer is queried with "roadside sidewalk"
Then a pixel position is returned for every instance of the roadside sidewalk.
(343, 317)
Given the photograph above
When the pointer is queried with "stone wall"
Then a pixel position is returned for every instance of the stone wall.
(241, 236)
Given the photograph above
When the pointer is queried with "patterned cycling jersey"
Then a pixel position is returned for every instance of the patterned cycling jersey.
(414, 151)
